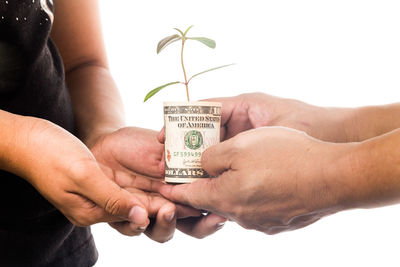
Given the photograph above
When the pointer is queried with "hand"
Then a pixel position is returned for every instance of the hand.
(127, 156)
(65, 172)
(271, 179)
(250, 111)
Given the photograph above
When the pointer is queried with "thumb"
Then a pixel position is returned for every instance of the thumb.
(202, 194)
(228, 105)
(217, 159)
(161, 136)
(114, 200)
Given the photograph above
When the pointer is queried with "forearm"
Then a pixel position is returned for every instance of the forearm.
(97, 105)
(342, 125)
(16, 135)
(7, 134)
(369, 172)
(372, 121)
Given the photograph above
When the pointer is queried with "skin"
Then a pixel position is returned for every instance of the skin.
(273, 178)
(339, 125)
(106, 173)
(99, 112)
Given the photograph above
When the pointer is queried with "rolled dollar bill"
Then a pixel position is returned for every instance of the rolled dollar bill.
(190, 128)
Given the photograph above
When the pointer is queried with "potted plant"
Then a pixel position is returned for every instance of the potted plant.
(190, 127)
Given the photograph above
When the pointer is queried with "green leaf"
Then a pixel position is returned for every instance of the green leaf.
(216, 68)
(158, 89)
(167, 41)
(181, 32)
(184, 34)
(207, 41)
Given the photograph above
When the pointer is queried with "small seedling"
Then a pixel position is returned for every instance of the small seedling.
(182, 36)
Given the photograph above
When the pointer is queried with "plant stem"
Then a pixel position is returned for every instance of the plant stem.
(183, 68)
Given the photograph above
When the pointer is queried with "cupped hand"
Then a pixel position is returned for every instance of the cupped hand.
(271, 179)
(133, 159)
(65, 172)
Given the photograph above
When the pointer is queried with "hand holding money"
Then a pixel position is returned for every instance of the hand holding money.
(269, 179)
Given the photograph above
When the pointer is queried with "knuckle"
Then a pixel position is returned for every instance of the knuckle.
(246, 95)
(205, 157)
(238, 144)
(245, 225)
(164, 239)
(80, 170)
(215, 197)
(199, 236)
(270, 231)
(274, 230)
(113, 206)
(132, 233)
(131, 230)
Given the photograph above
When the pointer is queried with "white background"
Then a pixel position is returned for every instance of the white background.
(332, 53)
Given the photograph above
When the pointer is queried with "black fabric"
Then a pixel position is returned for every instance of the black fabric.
(32, 231)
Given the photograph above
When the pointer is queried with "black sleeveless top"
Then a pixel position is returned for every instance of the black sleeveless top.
(32, 231)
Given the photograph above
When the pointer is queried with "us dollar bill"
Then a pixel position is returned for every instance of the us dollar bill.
(190, 128)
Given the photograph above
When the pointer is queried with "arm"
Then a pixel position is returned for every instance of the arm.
(72, 181)
(96, 101)
(129, 152)
(276, 179)
(371, 121)
(250, 111)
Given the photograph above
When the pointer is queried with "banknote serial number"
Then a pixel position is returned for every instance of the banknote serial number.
(186, 154)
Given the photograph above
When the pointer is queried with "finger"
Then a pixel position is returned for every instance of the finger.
(202, 226)
(84, 212)
(161, 165)
(235, 116)
(202, 194)
(161, 136)
(112, 198)
(163, 214)
(228, 105)
(186, 211)
(163, 227)
(130, 180)
(223, 133)
(127, 228)
(217, 159)
(139, 151)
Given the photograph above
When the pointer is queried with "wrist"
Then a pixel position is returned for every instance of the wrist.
(372, 121)
(94, 135)
(339, 124)
(8, 133)
(16, 154)
(343, 165)
(331, 175)
(365, 174)
(324, 123)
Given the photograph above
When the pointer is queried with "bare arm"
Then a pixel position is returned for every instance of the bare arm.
(373, 171)
(99, 113)
(72, 181)
(276, 179)
(371, 121)
(98, 108)
(250, 111)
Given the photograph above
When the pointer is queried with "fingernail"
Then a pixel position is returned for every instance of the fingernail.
(169, 216)
(220, 225)
(142, 228)
(138, 215)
